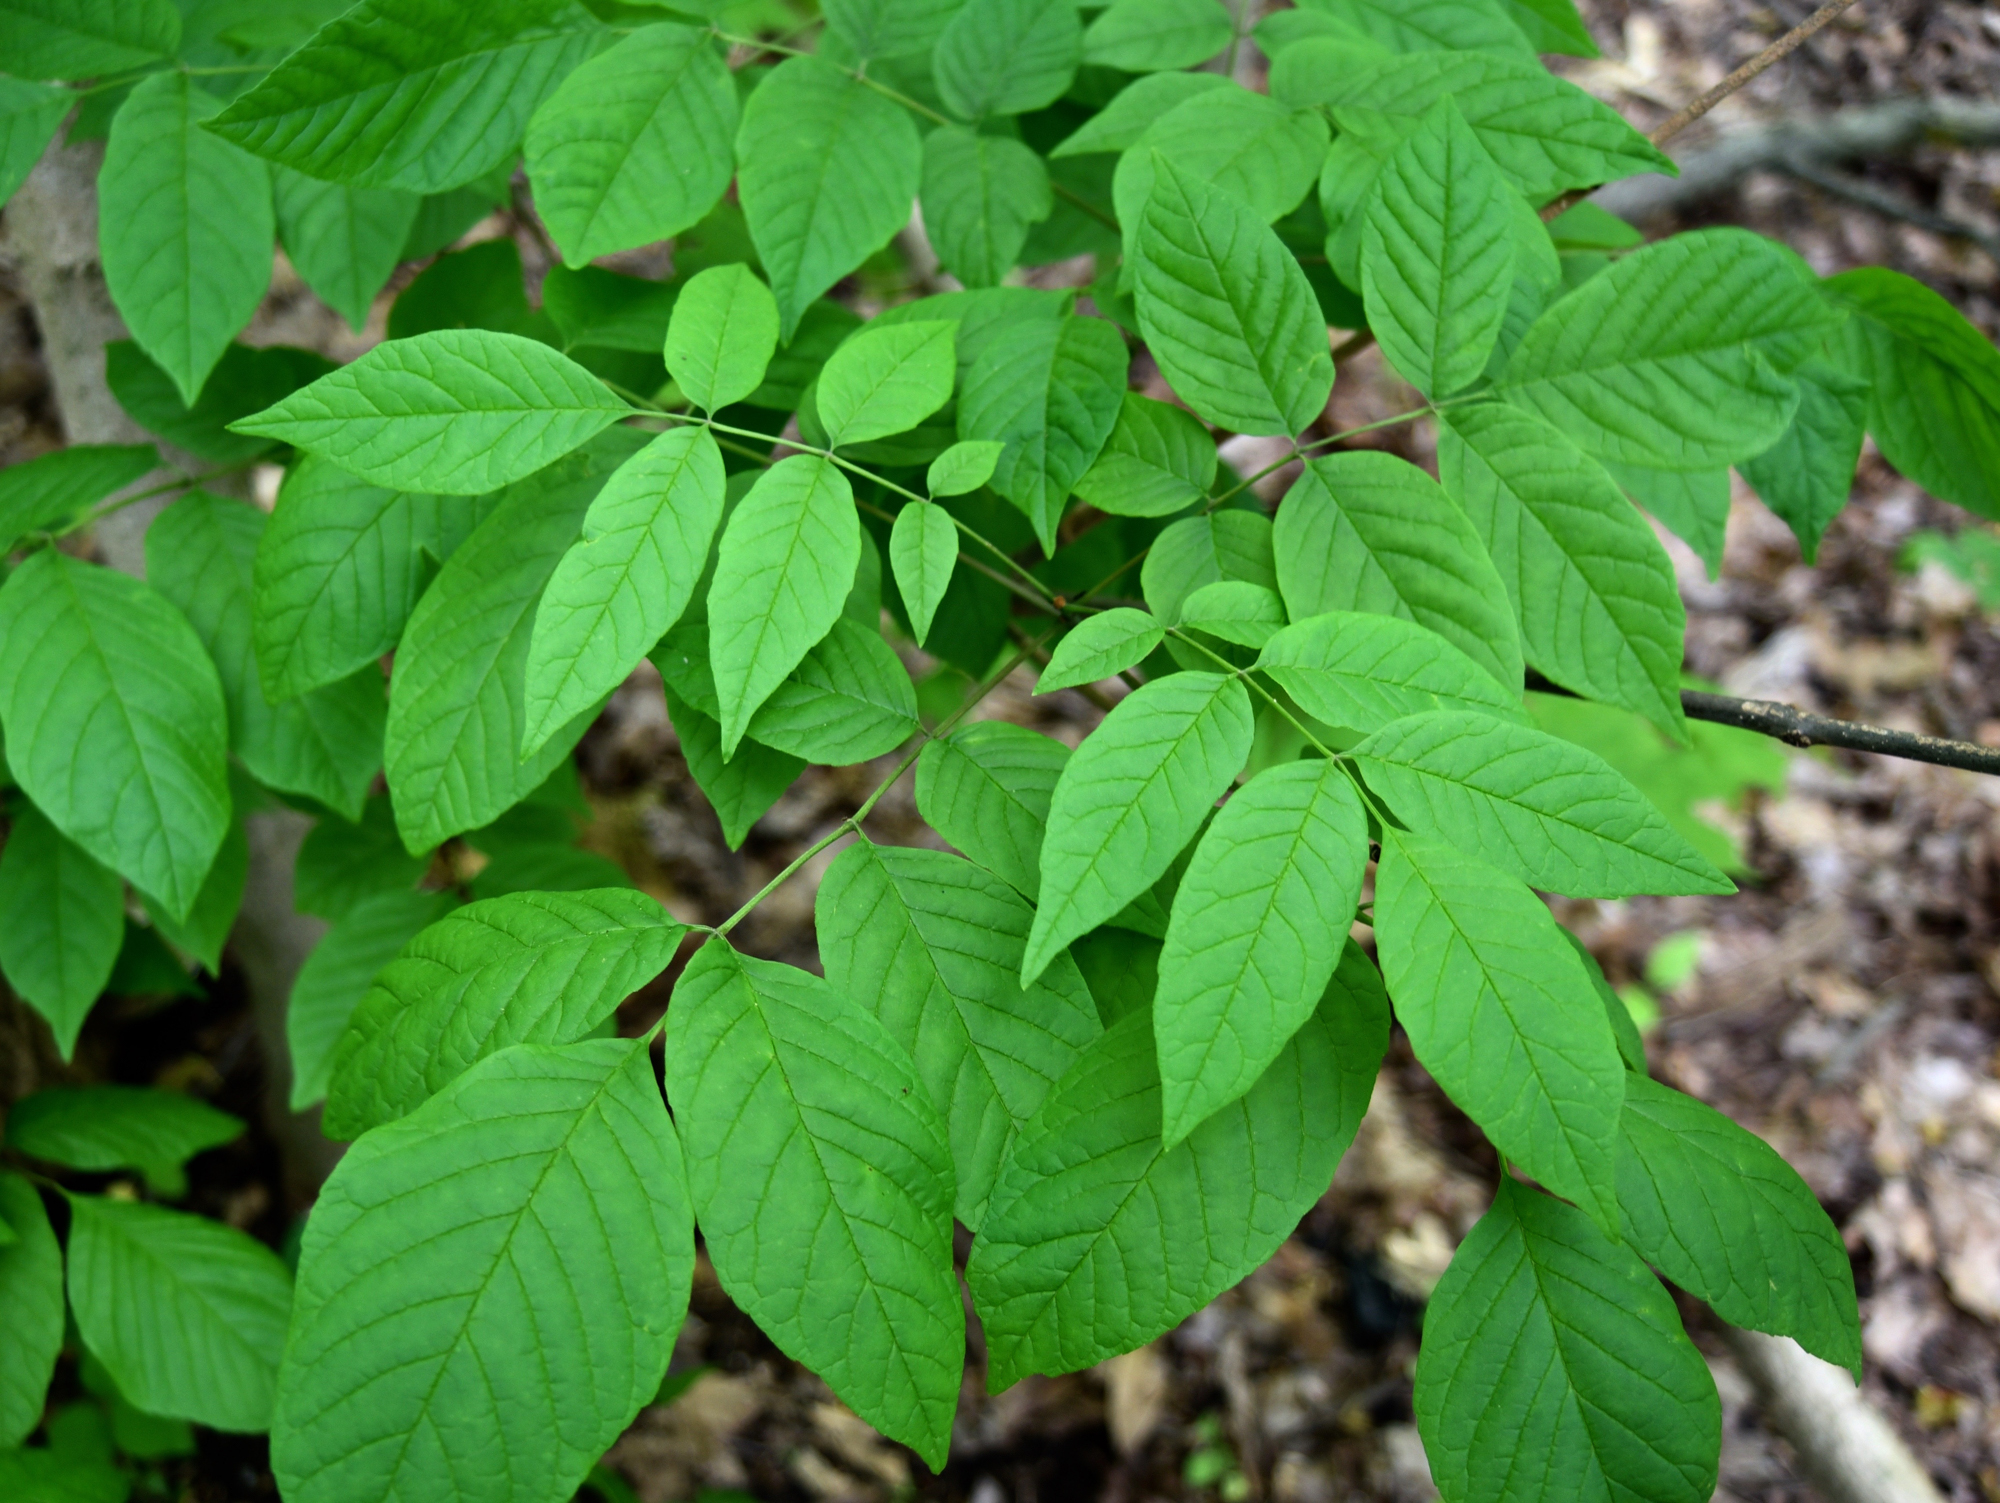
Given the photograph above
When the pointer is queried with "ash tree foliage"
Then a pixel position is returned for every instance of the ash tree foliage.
(1124, 1028)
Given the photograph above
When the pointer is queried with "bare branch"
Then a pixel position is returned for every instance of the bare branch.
(1777, 52)
(1797, 727)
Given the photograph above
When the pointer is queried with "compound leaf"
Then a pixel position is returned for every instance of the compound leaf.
(61, 918)
(1362, 670)
(986, 788)
(721, 335)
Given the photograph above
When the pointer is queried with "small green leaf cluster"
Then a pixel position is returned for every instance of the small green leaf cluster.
(1123, 1030)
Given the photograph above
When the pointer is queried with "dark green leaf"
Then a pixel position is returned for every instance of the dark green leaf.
(1805, 476)
(97, 1128)
(1006, 57)
(1362, 670)
(986, 788)
(243, 381)
(343, 240)
(980, 195)
(31, 1304)
(1158, 460)
(61, 917)
(83, 38)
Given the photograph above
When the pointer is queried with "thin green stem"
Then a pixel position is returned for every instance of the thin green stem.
(1300, 451)
(860, 76)
(179, 483)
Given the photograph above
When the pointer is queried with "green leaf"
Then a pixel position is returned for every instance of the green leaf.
(822, 1177)
(1007, 57)
(849, 699)
(1100, 647)
(923, 551)
(186, 1314)
(1049, 389)
(29, 116)
(84, 38)
(1151, 36)
(1675, 356)
(1236, 611)
(185, 228)
(1366, 531)
(828, 170)
(457, 700)
(343, 241)
(1554, 1365)
(888, 28)
(534, 1217)
(1258, 925)
(1429, 25)
(1691, 504)
(1552, 26)
(31, 1303)
(97, 659)
(1591, 585)
(622, 584)
(1934, 401)
(1805, 476)
(931, 945)
(62, 1477)
(1226, 310)
(61, 918)
(103, 1127)
(964, 467)
(338, 973)
(1500, 1011)
(782, 571)
(1362, 670)
(1131, 797)
(601, 309)
(1158, 460)
(205, 929)
(243, 381)
(1437, 263)
(1631, 1047)
(980, 195)
(528, 968)
(201, 554)
(461, 411)
(1100, 1238)
(342, 862)
(1717, 1211)
(61, 486)
(480, 287)
(1120, 124)
(338, 571)
(420, 95)
(886, 380)
(739, 788)
(636, 145)
(721, 336)
(986, 788)
(1198, 551)
(1550, 812)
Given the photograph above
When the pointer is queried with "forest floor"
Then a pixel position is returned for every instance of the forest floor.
(1845, 1005)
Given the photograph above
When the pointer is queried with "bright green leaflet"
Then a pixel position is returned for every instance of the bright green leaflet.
(981, 194)
(931, 944)
(185, 228)
(1158, 460)
(886, 379)
(1130, 797)
(721, 335)
(96, 659)
(1631, 1047)
(1150, 36)
(923, 551)
(1437, 262)
(1719, 1213)
(636, 145)
(829, 168)
(1121, 123)
(1805, 476)
(29, 115)
(1592, 586)
(1234, 610)
(61, 916)
(1691, 504)
(964, 467)
(1366, 531)
(338, 571)
(60, 486)
(1675, 356)
(782, 571)
(538, 1204)
(1554, 1365)
(344, 241)
(739, 788)
(1362, 671)
(335, 977)
(1100, 647)
(1007, 57)
(528, 968)
(83, 38)
(1428, 25)
(1257, 928)
(1552, 26)
(420, 95)
(822, 1176)
(187, 1315)
(1499, 1009)
(1934, 402)
(205, 929)
(461, 411)
(888, 28)
(1049, 389)
(625, 581)
(340, 863)
(1226, 310)
(849, 699)
(457, 702)
(1552, 813)
(31, 1303)
(101, 1127)
(986, 788)
(201, 554)
(1099, 1238)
